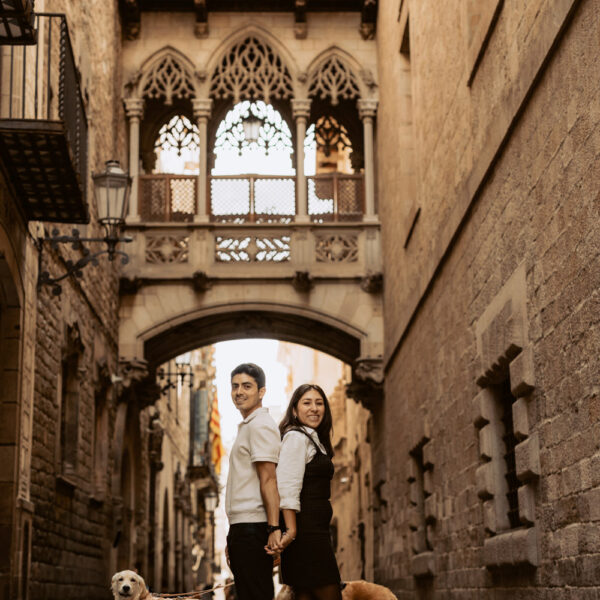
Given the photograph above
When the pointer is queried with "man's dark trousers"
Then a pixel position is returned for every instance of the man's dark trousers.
(252, 567)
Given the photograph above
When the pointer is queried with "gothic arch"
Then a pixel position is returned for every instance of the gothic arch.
(167, 74)
(335, 75)
(268, 72)
(183, 332)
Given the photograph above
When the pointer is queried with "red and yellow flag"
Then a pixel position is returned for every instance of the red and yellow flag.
(214, 426)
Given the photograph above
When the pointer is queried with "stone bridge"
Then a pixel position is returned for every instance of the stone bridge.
(193, 284)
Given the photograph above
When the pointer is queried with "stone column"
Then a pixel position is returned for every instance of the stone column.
(134, 109)
(202, 110)
(301, 112)
(366, 112)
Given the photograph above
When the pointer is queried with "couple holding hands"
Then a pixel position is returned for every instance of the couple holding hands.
(278, 489)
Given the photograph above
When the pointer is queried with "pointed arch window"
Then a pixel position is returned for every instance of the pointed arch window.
(251, 70)
(327, 147)
(168, 79)
(333, 80)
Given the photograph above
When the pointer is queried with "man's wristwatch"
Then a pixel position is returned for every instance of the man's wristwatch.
(272, 528)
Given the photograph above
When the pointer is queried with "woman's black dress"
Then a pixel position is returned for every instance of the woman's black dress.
(309, 562)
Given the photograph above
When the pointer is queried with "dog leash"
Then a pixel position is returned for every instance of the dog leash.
(197, 594)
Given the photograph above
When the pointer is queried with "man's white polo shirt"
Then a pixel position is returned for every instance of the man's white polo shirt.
(257, 440)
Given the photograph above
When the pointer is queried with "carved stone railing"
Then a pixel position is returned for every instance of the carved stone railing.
(302, 253)
(265, 199)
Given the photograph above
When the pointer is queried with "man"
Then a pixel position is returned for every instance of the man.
(252, 499)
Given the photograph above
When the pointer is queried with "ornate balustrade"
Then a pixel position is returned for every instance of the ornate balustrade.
(201, 252)
(332, 197)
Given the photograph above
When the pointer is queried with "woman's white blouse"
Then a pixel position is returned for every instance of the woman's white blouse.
(296, 450)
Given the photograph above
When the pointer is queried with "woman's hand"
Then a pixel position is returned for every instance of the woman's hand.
(286, 539)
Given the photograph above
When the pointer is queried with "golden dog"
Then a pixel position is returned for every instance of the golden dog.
(130, 585)
(352, 590)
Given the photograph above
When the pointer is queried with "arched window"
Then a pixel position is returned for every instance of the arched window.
(327, 147)
(253, 138)
(176, 147)
(266, 150)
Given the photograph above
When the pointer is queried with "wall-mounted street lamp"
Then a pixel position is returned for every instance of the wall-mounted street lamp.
(210, 501)
(111, 190)
(183, 371)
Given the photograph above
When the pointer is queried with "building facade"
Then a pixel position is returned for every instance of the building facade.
(488, 203)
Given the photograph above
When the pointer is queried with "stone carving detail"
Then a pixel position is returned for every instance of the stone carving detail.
(168, 80)
(337, 248)
(251, 70)
(334, 80)
(252, 249)
(167, 249)
(367, 382)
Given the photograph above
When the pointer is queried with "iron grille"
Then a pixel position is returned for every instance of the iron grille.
(335, 197)
(167, 198)
(252, 198)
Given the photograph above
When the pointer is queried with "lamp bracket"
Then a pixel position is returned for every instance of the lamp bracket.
(75, 268)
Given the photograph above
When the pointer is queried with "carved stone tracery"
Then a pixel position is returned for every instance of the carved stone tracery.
(252, 249)
(251, 70)
(167, 249)
(337, 248)
(168, 79)
(333, 80)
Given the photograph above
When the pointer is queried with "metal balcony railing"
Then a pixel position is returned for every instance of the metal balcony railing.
(332, 197)
(43, 126)
(170, 198)
(252, 198)
(335, 197)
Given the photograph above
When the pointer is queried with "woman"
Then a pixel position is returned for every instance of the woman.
(304, 476)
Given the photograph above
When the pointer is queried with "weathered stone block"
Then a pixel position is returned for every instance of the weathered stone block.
(524, 547)
(485, 480)
(428, 456)
(428, 482)
(520, 419)
(490, 521)
(527, 457)
(522, 377)
(526, 504)
(483, 408)
(431, 508)
(423, 564)
(486, 442)
(414, 518)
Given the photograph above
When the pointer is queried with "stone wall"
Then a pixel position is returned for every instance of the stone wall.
(72, 482)
(498, 283)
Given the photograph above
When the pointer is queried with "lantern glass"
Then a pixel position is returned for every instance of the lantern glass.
(251, 127)
(210, 501)
(111, 190)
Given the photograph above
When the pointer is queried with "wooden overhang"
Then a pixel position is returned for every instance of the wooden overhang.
(131, 11)
(17, 23)
(37, 162)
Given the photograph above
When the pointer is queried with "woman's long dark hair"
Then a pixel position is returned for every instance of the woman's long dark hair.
(290, 421)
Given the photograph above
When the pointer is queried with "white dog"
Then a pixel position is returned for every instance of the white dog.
(128, 584)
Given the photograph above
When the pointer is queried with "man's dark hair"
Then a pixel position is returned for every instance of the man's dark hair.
(253, 370)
